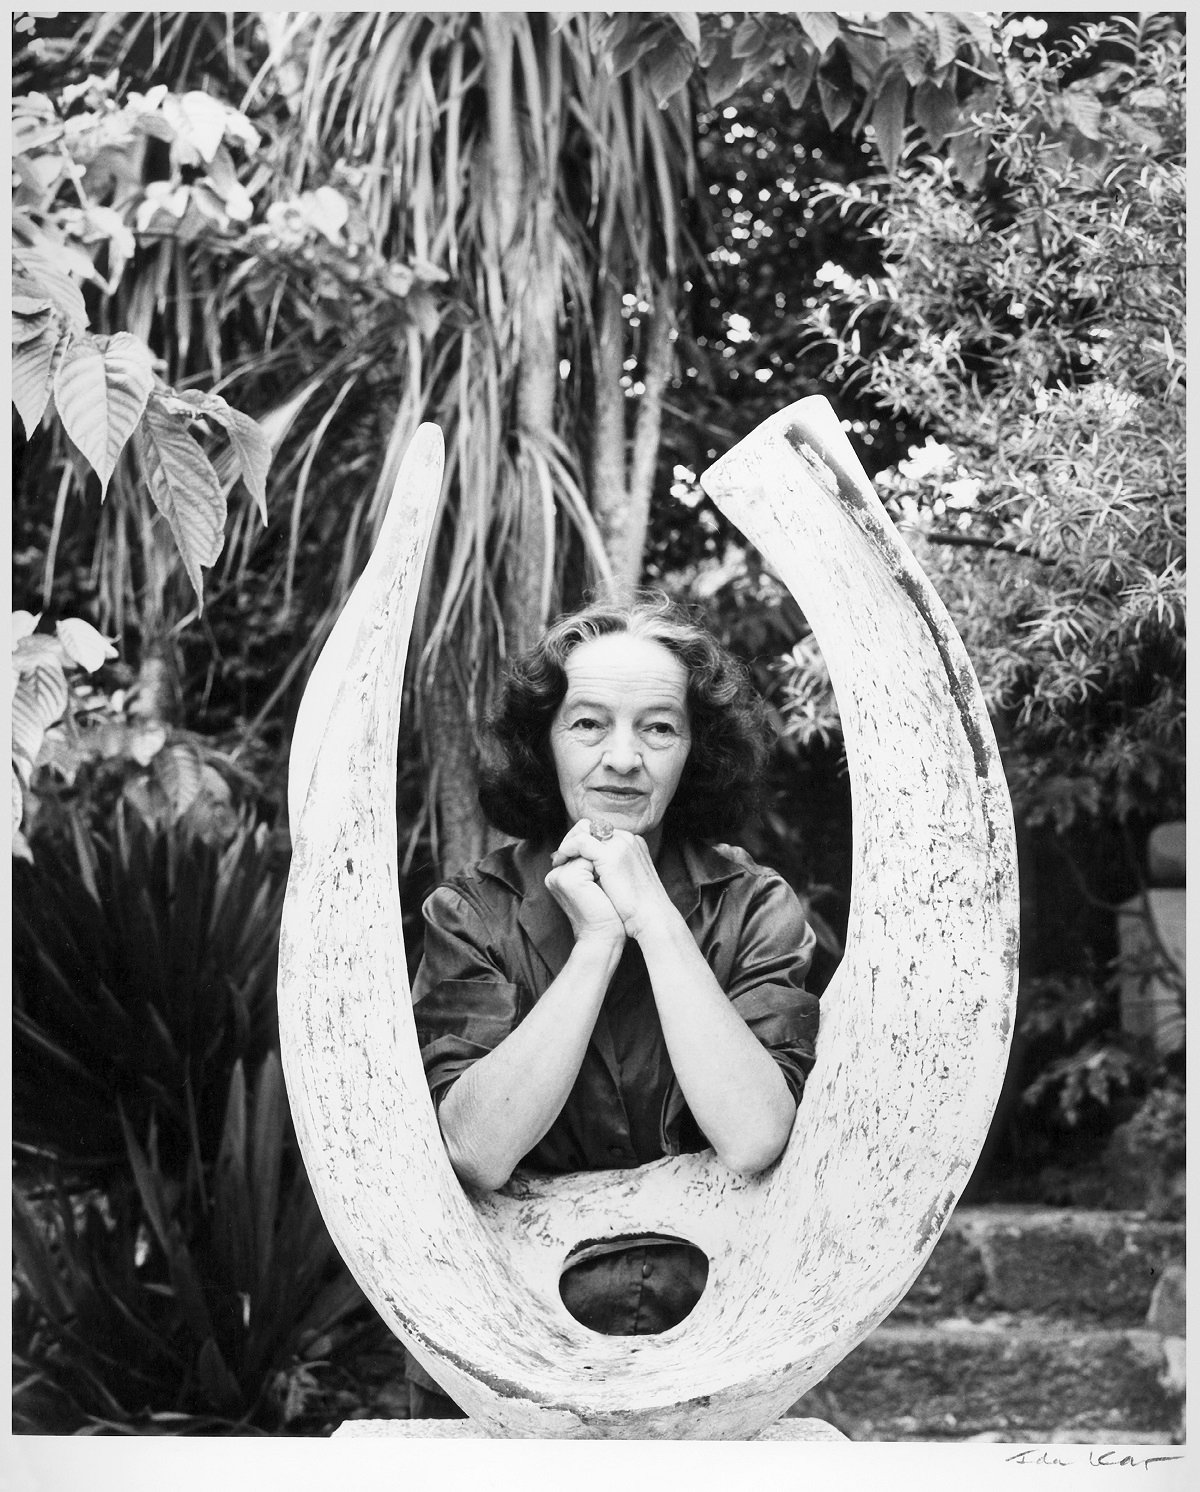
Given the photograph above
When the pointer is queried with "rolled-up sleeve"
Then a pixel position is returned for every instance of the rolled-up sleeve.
(774, 954)
(464, 1004)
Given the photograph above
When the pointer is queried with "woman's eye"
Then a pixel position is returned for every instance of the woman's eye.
(586, 724)
(662, 729)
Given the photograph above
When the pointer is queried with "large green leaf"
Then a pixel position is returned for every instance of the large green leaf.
(797, 80)
(887, 117)
(178, 770)
(30, 317)
(33, 361)
(249, 441)
(723, 71)
(835, 102)
(185, 489)
(39, 700)
(44, 271)
(821, 26)
(668, 66)
(101, 389)
(936, 110)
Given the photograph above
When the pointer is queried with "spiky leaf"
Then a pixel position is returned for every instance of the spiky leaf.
(101, 389)
(185, 490)
(268, 1140)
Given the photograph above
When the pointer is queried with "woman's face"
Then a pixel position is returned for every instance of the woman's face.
(621, 736)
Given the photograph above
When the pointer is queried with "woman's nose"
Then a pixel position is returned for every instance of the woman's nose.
(622, 752)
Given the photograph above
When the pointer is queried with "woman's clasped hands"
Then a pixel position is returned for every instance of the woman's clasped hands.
(608, 887)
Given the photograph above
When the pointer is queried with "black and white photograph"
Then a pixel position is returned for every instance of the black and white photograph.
(598, 748)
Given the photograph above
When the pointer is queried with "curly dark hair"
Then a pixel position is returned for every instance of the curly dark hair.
(731, 735)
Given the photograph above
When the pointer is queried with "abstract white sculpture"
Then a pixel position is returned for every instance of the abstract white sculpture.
(804, 1260)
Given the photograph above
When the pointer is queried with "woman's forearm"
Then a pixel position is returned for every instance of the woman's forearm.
(500, 1108)
(734, 1088)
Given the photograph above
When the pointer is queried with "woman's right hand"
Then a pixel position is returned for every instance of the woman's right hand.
(592, 916)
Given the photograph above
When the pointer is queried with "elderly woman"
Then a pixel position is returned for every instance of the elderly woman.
(616, 987)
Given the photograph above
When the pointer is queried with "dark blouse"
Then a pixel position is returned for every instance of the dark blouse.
(496, 939)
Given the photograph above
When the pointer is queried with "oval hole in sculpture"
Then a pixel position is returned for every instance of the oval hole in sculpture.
(587, 1289)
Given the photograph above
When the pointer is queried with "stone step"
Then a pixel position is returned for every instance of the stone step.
(1005, 1379)
(1096, 1268)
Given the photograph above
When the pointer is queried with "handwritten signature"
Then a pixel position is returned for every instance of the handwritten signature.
(1094, 1458)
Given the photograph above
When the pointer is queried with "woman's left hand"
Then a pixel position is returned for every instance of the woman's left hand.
(625, 870)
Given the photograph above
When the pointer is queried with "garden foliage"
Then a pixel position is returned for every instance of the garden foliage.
(173, 1271)
(79, 194)
(1033, 329)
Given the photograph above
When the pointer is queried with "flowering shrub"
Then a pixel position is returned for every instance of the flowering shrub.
(1034, 329)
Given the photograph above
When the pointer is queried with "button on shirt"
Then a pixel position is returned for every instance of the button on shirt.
(496, 939)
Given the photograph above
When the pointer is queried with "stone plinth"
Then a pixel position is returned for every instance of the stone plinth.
(463, 1429)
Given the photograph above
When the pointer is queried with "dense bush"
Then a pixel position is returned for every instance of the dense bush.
(1029, 324)
(173, 1273)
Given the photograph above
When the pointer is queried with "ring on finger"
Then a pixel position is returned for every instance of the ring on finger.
(601, 830)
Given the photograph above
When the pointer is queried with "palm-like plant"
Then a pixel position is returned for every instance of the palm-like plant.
(534, 173)
(499, 147)
(197, 1300)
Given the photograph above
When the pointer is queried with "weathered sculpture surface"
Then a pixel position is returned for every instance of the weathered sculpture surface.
(804, 1260)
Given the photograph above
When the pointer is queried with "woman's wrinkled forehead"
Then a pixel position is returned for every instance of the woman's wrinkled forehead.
(621, 666)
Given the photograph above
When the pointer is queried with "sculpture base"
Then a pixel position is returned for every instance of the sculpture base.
(464, 1429)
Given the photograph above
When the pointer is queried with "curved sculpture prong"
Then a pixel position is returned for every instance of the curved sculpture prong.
(804, 1260)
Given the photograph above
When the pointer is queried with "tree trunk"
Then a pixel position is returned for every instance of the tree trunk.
(622, 485)
(462, 833)
(524, 308)
(527, 594)
(643, 462)
(610, 496)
